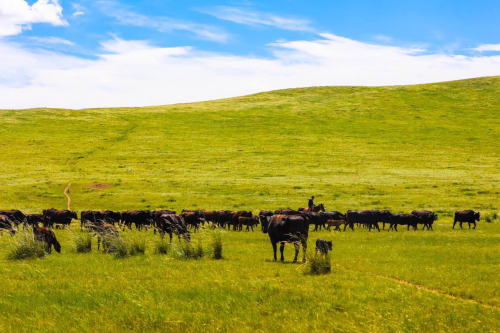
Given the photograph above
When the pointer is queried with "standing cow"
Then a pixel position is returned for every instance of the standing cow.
(468, 216)
(427, 218)
(53, 217)
(288, 229)
(5, 224)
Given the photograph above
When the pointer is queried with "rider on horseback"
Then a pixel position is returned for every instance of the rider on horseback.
(310, 204)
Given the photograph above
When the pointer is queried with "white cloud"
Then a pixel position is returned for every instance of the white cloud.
(51, 40)
(487, 47)
(255, 18)
(137, 73)
(125, 16)
(383, 39)
(16, 15)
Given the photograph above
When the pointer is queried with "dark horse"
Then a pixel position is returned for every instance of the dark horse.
(315, 209)
(288, 229)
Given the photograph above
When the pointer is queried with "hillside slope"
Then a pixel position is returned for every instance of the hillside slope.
(429, 146)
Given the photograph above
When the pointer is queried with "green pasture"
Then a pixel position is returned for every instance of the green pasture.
(400, 148)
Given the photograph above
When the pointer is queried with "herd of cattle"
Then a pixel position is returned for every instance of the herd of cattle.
(285, 225)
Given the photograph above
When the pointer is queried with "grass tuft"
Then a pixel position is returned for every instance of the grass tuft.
(137, 246)
(217, 245)
(162, 247)
(83, 242)
(186, 251)
(318, 265)
(26, 247)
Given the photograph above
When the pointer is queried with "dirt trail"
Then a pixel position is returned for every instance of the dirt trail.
(67, 195)
(430, 290)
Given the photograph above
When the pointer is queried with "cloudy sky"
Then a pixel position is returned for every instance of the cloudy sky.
(99, 53)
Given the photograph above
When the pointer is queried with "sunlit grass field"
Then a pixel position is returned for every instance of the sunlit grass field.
(429, 147)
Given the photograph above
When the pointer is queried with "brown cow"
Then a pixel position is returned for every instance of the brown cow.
(334, 223)
(250, 222)
(48, 237)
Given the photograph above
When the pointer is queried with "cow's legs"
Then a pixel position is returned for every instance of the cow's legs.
(474, 225)
(461, 225)
(297, 248)
(282, 248)
(99, 242)
(304, 249)
(275, 249)
(170, 234)
(396, 227)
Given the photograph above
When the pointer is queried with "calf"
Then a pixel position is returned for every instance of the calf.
(250, 222)
(322, 246)
(48, 237)
(334, 223)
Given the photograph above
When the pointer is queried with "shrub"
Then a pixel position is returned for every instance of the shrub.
(26, 247)
(162, 247)
(186, 250)
(118, 246)
(137, 246)
(318, 265)
(494, 216)
(487, 218)
(83, 242)
(217, 245)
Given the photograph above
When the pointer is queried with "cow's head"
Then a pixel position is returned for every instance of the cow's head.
(330, 245)
(73, 215)
(434, 216)
(57, 246)
(476, 216)
(265, 226)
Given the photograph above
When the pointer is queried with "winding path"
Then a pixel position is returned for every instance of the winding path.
(67, 195)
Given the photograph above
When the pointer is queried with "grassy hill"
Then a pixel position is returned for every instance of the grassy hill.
(401, 148)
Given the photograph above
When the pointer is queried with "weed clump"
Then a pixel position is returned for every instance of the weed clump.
(162, 247)
(217, 245)
(185, 251)
(137, 246)
(319, 265)
(83, 242)
(118, 246)
(26, 247)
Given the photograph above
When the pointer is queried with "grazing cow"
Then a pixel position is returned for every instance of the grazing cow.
(15, 216)
(57, 217)
(404, 219)
(33, 220)
(427, 218)
(192, 218)
(368, 218)
(288, 229)
(250, 222)
(6, 224)
(173, 224)
(111, 217)
(211, 216)
(287, 211)
(235, 215)
(315, 209)
(334, 223)
(141, 219)
(90, 219)
(224, 218)
(157, 214)
(322, 246)
(48, 237)
(105, 232)
(468, 216)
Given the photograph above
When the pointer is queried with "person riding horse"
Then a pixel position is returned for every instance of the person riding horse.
(310, 204)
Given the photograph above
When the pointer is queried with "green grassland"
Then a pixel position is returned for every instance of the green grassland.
(401, 148)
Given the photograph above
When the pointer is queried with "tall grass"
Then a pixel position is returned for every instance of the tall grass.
(217, 245)
(83, 242)
(162, 247)
(185, 250)
(137, 246)
(26, 247)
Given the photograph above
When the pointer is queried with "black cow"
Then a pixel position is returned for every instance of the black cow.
(192, 218)
(263, 214)
(15, 216)
(157, 214)
(48, 237)
(468, 216)
(210, 216)
(288, 229)
(111, 217)
(249, 222)
(224, 218)
(143, 219)
(33, 220)
(322, 246)
(173, 224)
(404, 219)
(91, 219)
(54, 217)
(368, 218)
(6, 224)
(427, 218)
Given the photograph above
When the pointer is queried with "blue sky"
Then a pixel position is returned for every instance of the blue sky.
(246, 46)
